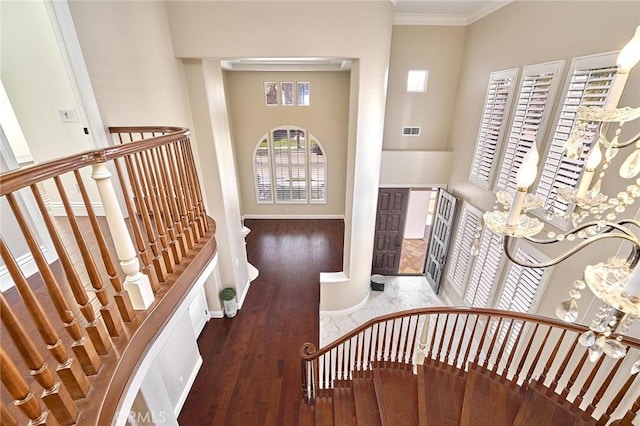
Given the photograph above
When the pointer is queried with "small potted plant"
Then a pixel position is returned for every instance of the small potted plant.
(228, 296)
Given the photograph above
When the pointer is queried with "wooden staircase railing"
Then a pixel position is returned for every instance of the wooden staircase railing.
(518, 350)
(74, 333)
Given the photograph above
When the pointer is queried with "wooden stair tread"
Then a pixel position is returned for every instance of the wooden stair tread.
(324, 411)
(539, 409)
(366, 405)
(487, 401)
(397, 395)
(440, 395)
(344, 409)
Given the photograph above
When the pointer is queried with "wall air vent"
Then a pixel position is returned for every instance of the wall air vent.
(410, 131)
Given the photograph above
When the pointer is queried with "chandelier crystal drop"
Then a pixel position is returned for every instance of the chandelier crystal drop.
(596, 137)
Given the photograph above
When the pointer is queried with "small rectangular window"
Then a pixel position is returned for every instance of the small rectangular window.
(271, 93)
(417, 80)
(304, 89)
(286, 90)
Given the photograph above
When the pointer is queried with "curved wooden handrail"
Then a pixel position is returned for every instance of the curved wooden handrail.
(308, 350)
(21, 178)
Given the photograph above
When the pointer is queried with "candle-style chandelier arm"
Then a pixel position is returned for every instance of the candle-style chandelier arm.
(607, 233)
(606, 143)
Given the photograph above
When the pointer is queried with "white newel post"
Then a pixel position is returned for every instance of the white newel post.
(422, 343)
(136, 283)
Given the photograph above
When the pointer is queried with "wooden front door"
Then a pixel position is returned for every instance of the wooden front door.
(390, 218)
(439, 240)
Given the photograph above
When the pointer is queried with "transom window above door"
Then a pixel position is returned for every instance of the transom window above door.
(290, 167)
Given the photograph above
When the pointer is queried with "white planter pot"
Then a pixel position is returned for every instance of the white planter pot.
(230, 307)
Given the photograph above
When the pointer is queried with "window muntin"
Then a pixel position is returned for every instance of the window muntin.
(290, 168)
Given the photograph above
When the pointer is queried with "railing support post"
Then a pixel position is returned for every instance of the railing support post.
(422, 344)
(136, 283)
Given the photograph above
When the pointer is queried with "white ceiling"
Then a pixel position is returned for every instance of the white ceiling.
(443, 12)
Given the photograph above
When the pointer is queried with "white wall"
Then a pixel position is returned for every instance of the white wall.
(359, 30)
(505, 39)
(417, 211)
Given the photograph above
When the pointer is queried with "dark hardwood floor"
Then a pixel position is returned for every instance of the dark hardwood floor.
(251, 369)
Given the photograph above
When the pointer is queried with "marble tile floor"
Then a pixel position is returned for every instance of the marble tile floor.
(400, 293)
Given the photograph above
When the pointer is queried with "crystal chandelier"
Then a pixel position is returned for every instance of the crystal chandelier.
(616, 281)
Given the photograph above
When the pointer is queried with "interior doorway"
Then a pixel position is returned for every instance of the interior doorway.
(417, 229)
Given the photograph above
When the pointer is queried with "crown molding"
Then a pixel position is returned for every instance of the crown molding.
(448, 19)
(487, 10)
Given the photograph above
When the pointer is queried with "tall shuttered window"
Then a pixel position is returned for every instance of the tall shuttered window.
(492, 126)
(485, 270)
(461, 251)
(290, 167)
(521, 286)
(535, 100)
(588, 83)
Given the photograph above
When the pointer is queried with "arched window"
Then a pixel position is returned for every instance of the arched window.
(290, 167)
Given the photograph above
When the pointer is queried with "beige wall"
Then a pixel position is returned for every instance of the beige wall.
(437, 49)
(521, 34)
(325, 118)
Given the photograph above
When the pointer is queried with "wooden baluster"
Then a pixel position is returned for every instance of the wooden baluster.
(180, 186)
(123, 302)
(602, 389)
(613, 405)
(81, 347)
(507, 367)
(503, 345)
(627, 420)
(200, 208)
(534, 364)
(487, 358)
(465, 359)
(447, 355)
(136, 283)
(170, 188)
(587, 384)
(182, 166)
(457, 353)
(68, 370)
(148, 267)
(552, 358)
(194, 213)
(524, 356)
(152, 168)
(111, 318)
(574, 376)
(170, 216)
(476, 358)
(162, 259)
(6, 418)
(167, 245)
(414, 337)
(554, 383)
(22, 396)
(432, 345)
(89, 359)
(55, 395)
(442, 337)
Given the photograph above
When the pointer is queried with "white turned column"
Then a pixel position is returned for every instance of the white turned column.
(422, 343)
(136, 283)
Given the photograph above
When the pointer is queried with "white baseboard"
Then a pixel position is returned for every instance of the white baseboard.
(27, 265)
(293, 216)
(187, 387)
(216, 314)
(78, 207)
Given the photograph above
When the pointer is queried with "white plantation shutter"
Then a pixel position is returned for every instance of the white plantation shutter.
(588, 83)
(521, 286)
(461, 251)
(492, 125)
(535, 100)
(485, 270)
(262, 171)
